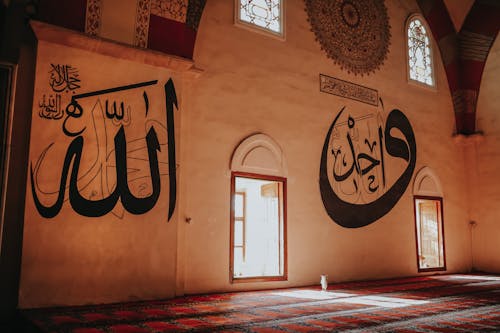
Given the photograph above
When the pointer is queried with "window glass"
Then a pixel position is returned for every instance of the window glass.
(239, 204)
(264, 14)
(238, 233)
(419, 52)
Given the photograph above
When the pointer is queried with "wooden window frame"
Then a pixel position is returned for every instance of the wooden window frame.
(243, 222)
(284, 276)
(434, 198)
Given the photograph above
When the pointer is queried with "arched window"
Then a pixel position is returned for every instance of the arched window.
(258, 211)
(261, 15)
(429, 225)
(420, 63)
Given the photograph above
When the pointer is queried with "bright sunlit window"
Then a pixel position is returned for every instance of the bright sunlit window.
(264, 15)
(258, 223)
(420, 61)
(429, 232)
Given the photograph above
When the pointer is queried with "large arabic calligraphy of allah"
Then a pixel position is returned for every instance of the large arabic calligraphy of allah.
(102, 151)
(354, 34)
(366, 165)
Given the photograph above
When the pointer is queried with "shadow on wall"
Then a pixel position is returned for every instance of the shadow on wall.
(18, 57)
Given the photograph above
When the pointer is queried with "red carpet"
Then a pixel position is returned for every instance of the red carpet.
(446, 303)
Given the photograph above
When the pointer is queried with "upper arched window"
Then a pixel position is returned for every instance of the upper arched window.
(420, 63)
(261, 15)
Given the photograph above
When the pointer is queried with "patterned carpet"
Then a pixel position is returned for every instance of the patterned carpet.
(446, 303)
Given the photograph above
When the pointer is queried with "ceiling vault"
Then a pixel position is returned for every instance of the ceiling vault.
(464, 53)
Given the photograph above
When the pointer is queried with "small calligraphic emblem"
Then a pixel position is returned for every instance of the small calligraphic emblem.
(63, 78)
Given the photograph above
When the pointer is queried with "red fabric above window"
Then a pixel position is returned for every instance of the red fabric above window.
(171, 37)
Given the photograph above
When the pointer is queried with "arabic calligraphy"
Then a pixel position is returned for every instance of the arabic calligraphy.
(63, 78)
(74, 180)
(50, 107)
(349, 90)
(359, 151)
(120, 115)
(74, 109)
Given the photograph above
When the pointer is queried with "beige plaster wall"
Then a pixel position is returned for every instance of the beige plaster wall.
(254, 83)
(73, 259)
(486, 234)
(251, 83)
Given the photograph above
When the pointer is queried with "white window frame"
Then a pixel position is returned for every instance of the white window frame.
(255, 28)
(411, 18)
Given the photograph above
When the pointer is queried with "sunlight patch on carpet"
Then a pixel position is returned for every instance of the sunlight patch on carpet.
(312, 294)
(468, 277)
(386, 302)
(333, 297)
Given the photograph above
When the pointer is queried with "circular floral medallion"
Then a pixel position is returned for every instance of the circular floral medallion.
(354, 33)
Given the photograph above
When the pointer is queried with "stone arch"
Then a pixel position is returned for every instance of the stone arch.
(427, 183)
(463, 53)
(259, 154)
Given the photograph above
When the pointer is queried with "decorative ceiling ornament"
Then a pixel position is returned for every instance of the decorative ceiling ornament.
(355, 34)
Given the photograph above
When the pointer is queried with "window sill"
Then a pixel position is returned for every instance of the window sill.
(259, 279)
